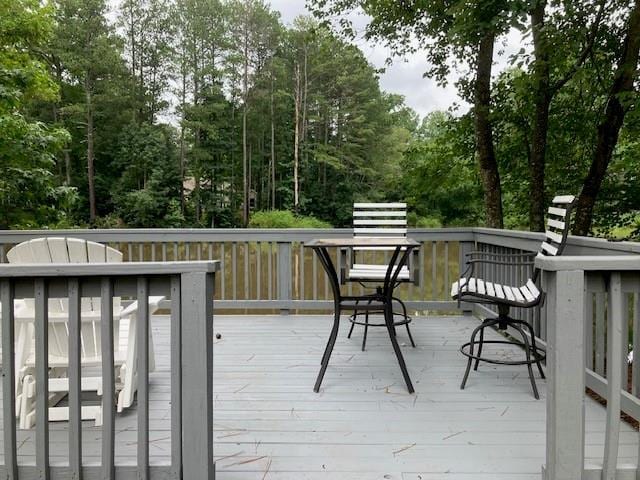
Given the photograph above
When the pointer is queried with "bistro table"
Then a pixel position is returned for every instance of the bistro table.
(381, 300)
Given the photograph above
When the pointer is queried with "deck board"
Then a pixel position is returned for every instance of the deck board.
(362, 425)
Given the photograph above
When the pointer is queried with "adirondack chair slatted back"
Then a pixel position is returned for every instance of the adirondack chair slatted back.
(69, 250)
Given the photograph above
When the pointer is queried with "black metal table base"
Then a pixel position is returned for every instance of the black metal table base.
(379, 302)
(533, 354)
(399, 319)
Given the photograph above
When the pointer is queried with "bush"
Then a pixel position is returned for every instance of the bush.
(414, 220)
(284, 219)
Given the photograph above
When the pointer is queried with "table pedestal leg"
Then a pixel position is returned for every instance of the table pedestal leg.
(388, 318)
(328, 349)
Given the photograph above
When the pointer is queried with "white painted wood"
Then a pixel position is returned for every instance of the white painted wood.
(560, 212)
(554, 236)
(402, 222)
(563, 199)
(550, 249)
(553, 223)
(358, 205)
(373, 213)
(72, 250)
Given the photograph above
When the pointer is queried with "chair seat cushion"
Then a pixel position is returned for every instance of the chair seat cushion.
(361, 271)
(476, 287)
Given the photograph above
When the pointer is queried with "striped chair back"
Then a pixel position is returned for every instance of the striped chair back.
(558, 225)
(379, 219)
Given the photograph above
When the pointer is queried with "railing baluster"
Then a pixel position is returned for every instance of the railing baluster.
(421, 268)
(8, 380)
(75, 404)
(270, 272)
(247, 254)
(142, 337)
(301, 255)
(446, 266)
(153, 251)
(141, 252)
(314, 275)
(176, 377)
(176, 252)
(223, 263)
(129, 252)
(614, 377)
(434, 261)
(42, 376)
(187, 246)
(635, 371)
(108, 379)
(600, 333)
(258, 270)
(234, 268)
(588, 330)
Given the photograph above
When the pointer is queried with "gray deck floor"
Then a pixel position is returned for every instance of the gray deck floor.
(268, 423)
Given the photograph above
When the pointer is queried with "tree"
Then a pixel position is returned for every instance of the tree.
(619, 100)
(28, 195)
(448, 31)
(89, 53)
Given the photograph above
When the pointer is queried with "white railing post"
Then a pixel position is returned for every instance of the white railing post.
(463, 250)
(565, 374)
(197, 380)
(284, 273)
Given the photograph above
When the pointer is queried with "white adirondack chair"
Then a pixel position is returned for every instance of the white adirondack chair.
(73, 250)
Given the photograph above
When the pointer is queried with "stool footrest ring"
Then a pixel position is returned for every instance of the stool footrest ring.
(537, 354)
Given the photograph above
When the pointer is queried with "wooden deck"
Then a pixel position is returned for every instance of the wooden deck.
(268, 423)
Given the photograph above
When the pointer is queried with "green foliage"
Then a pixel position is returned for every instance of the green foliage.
(28, 194)
(284, 219)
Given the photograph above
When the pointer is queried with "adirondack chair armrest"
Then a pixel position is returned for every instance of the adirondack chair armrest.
(154, 304)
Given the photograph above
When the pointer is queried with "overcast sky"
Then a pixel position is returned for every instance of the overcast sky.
(404, 76)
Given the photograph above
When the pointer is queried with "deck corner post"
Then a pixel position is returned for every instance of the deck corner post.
(284, 274)
(565, 445)
(197, 379)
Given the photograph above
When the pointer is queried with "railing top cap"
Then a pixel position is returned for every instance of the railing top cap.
(589, 263)
(106, 269)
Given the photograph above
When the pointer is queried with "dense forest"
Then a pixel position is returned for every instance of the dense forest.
(213, 113)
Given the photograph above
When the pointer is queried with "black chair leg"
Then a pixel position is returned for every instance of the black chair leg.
(366, 329)
(475, 367)
(355, 315)
(479, 328)
(413, 344)
(527, 351)
(534, 348)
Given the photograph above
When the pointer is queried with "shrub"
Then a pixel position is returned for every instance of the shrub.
(284, 219)
(414, 220)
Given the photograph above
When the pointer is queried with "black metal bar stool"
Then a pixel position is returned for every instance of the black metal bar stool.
(470, 288)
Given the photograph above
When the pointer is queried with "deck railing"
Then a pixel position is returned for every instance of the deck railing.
(189, 286)
(593, 312)
(592, 292)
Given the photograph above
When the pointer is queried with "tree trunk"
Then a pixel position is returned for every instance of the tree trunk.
(273, 151)
(245, 166)
(296, 139)
(609, 127)
(542, 100)
(182, 140)
(484, 136)
(90, 155)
